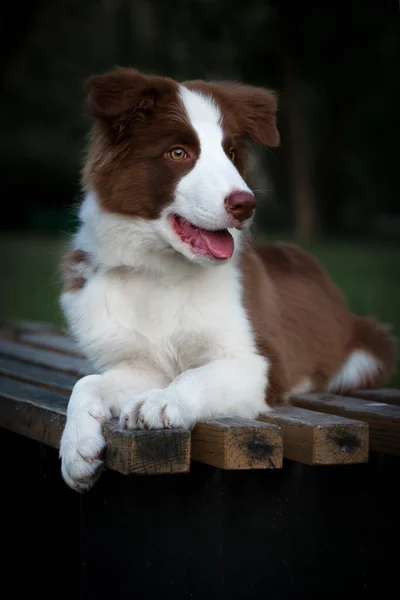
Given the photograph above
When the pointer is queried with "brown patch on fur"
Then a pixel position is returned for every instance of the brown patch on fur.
(72, 265)
(247, 111)
(138, 119)
(78, 256)
(75, 284)
(261, 304)
(301, 321)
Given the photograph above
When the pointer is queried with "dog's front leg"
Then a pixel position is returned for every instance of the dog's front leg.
(96, 399)
(226, 387)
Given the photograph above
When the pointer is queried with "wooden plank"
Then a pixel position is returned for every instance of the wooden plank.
(383, 395)
(44, 358)
(11, 329)
(7, 332)
(41, 376)
(152, 452)
(315, 438)
(383, 419)
(36, 326)
(40, 414)
(51, 341)
(237, 444)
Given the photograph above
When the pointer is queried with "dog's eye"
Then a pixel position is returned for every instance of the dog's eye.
(231, 154)
(177, 154)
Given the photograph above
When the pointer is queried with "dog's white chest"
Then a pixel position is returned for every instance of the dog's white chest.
(174, 324)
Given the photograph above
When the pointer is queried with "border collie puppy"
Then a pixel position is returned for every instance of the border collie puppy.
(184, 317)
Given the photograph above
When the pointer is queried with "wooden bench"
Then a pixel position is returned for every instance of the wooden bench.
(39, 365)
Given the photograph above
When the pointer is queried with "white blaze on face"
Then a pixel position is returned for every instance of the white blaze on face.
(200, 194)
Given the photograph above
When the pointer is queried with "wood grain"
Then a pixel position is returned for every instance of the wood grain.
(41, 376)
(44, 358)
(51, 341)
(383, 395)
(237, 444)
(319, 439)
(383, 419)
(153, 452)
(321, 429)
(40, 414)
(12, 329)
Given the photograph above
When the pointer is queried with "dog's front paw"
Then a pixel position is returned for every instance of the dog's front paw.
(154, 410)
(82, 445)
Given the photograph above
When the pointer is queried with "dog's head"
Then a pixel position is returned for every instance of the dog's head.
(174, 155)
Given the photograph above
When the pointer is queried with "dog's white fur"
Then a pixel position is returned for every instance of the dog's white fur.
(165, 328)
(358, 367)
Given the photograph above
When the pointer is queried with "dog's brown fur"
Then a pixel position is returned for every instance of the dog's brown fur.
(73, 266)
(136, 117)
(300, 318)
(302, 322)
(248, 111)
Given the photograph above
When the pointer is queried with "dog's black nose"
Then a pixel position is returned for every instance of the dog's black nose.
(240, 205)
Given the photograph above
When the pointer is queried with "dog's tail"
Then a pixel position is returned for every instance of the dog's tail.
(371, 360)
(377, 339)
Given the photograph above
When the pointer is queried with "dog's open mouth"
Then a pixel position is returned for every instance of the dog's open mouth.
(214, 244)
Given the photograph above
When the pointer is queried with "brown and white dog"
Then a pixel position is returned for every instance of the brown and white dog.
(184, 317)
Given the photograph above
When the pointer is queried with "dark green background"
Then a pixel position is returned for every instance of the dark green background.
(335, 66)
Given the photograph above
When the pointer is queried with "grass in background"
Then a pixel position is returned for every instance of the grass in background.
(29, 275)
(368, 274)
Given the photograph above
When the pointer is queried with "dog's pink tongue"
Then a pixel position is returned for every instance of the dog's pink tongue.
(219, 244)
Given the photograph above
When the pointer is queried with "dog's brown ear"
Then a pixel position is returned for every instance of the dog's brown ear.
(114, 93)
(123, 90)
(256, 110)
(253, 108)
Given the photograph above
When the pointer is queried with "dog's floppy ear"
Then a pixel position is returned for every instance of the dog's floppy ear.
(252, 108)
(255, 109)
(114, 93)
(123, 90)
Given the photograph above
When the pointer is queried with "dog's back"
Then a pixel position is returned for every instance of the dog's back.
(321, 344)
